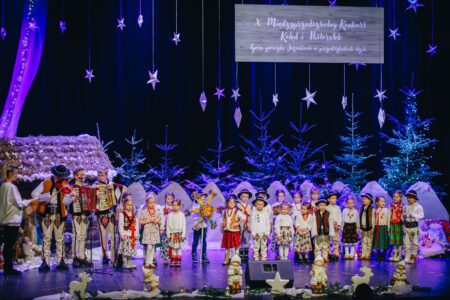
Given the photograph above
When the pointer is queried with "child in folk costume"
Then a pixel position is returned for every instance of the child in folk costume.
(351, 227)
(380, 240)
(166, 251)
(176, 231)
(366, 223)
(304, 224)
(395, 225)
(151, 220)
(268, 208)
(80, 221)
(260, 225)
(323, 230)
(54, 213)
(200, 230)
(128, 232)
(232, 218)
(245, 208)
(336, 216)
(411, 216)
(314, 193)
(284, 227)
(296, 211)
(280, 195)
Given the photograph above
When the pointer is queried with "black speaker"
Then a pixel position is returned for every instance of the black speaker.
(258, 271)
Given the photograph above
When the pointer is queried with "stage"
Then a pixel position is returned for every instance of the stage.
(433, 273)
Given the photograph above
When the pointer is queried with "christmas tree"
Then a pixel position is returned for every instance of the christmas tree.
(412, 147)
(265, 156)
(350, 162)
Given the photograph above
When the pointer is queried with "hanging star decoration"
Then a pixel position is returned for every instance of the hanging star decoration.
(277, 284)
(357, 65)
(153, 78)
(380, 95)
(32, 25)
(121, 23)
(219, 93)
(3, 33)
(414, 4)
(432, 49)
(62, 26)
(381, 117)
(206, 209)
(236, 94)
(140, 20)
(89, 74)
(275, 99)
(176, 38)
(332, 2)
(309, 98)
(393, 33)
(203, 100)
(344, 102)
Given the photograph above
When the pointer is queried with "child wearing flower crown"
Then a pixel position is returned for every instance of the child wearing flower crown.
(231, 221)
(395, 225)
(176, 232)
(128, 232)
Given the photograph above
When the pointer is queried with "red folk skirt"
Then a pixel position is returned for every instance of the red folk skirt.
(231, 239)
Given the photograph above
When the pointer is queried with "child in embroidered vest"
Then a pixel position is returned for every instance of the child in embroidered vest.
(323, 230)
(176, 231)
(395, 225)
(366, 216)
(284, 226)
(380, 231)
(411, 216)
(303, 224)
(351, 227)
(232, 219)
(166, 251)
(260, 225)
(128, 232)
(245, 208)
(151, 221)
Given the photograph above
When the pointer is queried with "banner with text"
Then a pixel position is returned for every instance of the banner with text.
(320, 34)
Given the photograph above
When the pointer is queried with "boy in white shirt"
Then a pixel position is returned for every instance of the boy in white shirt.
(260, 228)
(411, 216)
(246, 209)
(336, 217)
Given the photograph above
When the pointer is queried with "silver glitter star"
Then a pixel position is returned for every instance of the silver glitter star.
(62, 26)
(153, 78)
(413, 4)
(176, 38)
(380, 95)
(89, 74)
(219, 93)
(344, 102)
(275, 99)
(394, 33)
(236, 94)
(432, 49)
(121, 23)
(309, 98)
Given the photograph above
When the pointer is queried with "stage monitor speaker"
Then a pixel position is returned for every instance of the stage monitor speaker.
(258, 271)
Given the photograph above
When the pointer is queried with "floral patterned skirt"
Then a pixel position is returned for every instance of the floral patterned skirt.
(396, 232)
(176, 240)
(286, 236)
(126, 247)
(349, 234)
(380, 240)
(231, 239)
(164, 252)
(303, 243)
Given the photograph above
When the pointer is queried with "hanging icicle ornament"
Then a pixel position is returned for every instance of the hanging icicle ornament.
(238, 116)
(3, 30)
(62, 23)
(140, 19)
(432, 47)
(309, 98)
(413, 4)
(203, 101)
(89, 71)
(344, 97)
(121, 20)
(381, 117)
(381, 96)
(393, 32)
(275, 94)
(153, 80)
(176, 35)
(219, 91)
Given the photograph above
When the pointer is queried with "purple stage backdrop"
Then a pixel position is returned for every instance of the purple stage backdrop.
(27, 63)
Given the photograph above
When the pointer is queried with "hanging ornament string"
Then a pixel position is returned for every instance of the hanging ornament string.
(381, 96)
(176, 35)
(219, 90)
(154, 73)
(3, 30)
(62, 23)
(432, 47)
(121, 20)
(203, 99)
(309, 98)
(140, 19)
(344, 97)
(236, 95)
(393, 32)
(275, 94)
(89, 72)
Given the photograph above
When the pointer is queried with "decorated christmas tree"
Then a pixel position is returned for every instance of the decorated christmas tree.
(265, 156)
(350, 162)
(167, 170)
(412, 148)
(131, 169)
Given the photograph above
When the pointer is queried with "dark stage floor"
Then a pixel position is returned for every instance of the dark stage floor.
(432, 273)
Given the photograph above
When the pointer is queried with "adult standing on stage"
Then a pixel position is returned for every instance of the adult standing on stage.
(11, 206)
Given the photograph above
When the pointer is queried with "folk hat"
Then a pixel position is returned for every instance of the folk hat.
(331, 193)
(412, 194)
(60, 171)
(322, 201)
(262, 192)
(244, 191)
(259, 198)
(368, 196)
